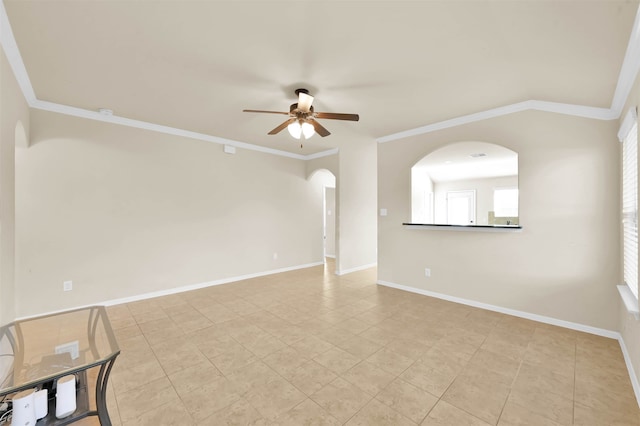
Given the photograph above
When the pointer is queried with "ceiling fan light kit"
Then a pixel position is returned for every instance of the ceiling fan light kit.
(301, 128)
(302, 121)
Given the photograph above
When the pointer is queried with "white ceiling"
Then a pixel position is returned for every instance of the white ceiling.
(194, 65)
(456, 162)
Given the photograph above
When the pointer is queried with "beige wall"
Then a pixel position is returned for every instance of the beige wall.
(356, 200)
(123, 212)
(13, 109)
(565, 262)
(628, 325)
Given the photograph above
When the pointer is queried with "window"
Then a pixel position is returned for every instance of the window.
(629, 137)
(505, 202)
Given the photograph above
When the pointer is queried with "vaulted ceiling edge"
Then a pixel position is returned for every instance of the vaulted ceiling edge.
(626, 79)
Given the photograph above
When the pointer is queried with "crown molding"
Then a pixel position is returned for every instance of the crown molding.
(12, 52)
(322, 154)
(626, 79)
(558, 108)
(138, 124)
(10, 47)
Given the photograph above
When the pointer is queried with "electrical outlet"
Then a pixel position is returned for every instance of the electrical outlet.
(275, 256)
(67, 286)
(72, 347)
(427, 272)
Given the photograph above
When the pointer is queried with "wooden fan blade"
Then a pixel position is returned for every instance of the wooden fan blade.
(282, 126)
(268, 112)
(304, 101)
(319, 128)
(337, 116)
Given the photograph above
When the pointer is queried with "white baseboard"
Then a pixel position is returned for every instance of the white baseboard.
(534, 317)
(332, 256)
(181, 289)
(206, 284)
(632, 373)
(356, 269)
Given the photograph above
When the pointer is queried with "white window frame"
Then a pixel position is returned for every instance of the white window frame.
(628, 135)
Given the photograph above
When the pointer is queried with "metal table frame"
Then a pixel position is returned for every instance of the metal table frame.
(97, 314)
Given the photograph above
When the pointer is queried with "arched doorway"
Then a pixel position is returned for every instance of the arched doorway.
(326, 180)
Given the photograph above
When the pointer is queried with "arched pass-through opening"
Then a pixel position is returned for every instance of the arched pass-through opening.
(466, 183)
(325, 181)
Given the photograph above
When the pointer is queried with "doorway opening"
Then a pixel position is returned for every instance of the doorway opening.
(461, 207)
(324, 182)
(329, 223)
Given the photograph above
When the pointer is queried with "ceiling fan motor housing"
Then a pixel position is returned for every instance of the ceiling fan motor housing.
(295, 112)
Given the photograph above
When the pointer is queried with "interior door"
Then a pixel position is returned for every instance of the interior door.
(461, 207)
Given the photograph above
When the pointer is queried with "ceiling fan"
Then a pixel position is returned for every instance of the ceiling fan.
(302, 121)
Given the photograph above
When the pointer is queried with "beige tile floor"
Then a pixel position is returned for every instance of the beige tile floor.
(311, 348)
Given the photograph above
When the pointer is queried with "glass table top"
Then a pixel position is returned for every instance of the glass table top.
(37, 349)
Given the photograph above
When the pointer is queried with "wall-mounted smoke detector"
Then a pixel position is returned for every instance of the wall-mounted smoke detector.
(106, 111)
(478, 155)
